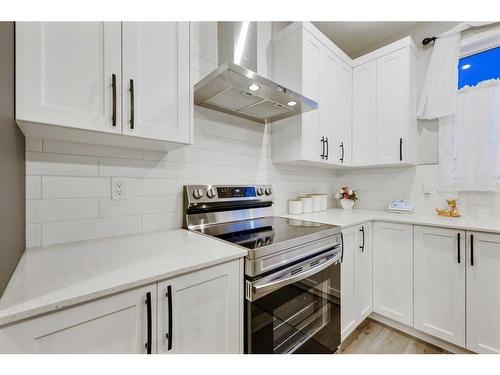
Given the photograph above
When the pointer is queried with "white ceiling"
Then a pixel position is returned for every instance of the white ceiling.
(357, 38)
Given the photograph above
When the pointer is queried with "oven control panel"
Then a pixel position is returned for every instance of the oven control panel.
(194, 194)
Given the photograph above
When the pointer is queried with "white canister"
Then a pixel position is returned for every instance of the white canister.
(324, 201)
(317, 199)
(294, 207)
(307, 204)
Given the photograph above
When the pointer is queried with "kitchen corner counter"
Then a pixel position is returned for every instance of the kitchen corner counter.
(55, 277)
(347, 218)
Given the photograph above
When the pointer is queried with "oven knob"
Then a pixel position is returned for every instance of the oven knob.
(197, 193)
(210, 193)
(268, 191)
(260, 191)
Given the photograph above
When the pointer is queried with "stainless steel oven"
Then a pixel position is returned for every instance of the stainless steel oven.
(295, 309)
(292, 269)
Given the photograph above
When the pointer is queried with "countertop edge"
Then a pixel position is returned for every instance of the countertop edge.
(17, 317)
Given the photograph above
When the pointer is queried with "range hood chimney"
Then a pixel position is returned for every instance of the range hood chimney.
(235, 87)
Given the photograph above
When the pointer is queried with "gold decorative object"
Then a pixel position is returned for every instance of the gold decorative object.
(450, 211)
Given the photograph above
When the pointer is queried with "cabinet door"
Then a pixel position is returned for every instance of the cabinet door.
(328, 105)
(156, 66)
(64, 74)
(116, 324)
(348, 316)
(311, 88)
(364, 96)
(393, 271)
(392, 113)
(483, 292)
(363, 262)
(206, 312)
(343, 124)
(439, 263)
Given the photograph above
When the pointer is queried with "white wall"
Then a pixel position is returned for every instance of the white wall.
(69, 184)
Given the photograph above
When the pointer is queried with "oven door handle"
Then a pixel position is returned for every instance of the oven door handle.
(292, 279)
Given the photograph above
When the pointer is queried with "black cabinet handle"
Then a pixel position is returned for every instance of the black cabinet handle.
(169, 335)
(150, 322)
(327, 148)
(400, 149)
(132, 125)
(113, 88)
(471, 249)
(362, 247)
(458, 247)
(342, 245)
(342, 154)
(322, 148)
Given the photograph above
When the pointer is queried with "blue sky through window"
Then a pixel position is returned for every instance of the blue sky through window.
(479, 67)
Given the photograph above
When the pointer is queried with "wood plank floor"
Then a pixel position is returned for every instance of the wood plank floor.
(376, 338)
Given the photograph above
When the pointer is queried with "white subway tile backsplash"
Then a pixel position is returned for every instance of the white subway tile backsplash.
(161, 186)
(75, 187)
(33, 235)
(140, 205)
(39, 211)
(156, 222)
(77, 230)
(136, 168)
(63, 147)
(33, 144)
(33, 187)
(47, 164)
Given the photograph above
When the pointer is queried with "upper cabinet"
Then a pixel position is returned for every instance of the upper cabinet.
(124, 84)
(366, 112)
(307, 62)
(384, 121)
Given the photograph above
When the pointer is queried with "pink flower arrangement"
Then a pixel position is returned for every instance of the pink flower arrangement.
(346, 193)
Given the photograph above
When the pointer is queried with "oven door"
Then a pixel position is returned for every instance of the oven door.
(297, 309)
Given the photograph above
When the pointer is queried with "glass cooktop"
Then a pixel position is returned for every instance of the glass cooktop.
(256, 233)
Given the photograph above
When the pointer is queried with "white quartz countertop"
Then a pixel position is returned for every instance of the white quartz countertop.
(347, 218)
(50, 278)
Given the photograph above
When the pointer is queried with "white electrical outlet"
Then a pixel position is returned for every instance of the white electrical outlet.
(118, 189)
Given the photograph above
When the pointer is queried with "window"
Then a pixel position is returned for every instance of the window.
(479, 67)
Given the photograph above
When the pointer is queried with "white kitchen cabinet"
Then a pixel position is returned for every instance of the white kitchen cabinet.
(306, 61)
(393, 271)
(116, 324)
(483, 292)
(348, 314)
(74, 82)
(64, 74)
(156, 64)
(363, 272)
(364, 101)
(439, 283)
(384, 106)
(356, 277)
(201, 312)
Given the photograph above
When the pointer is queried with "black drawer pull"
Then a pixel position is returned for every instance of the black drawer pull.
(150, 322)
(169, 335)
(471, 249)
(362, 247)
(132, 109)
(113, 86)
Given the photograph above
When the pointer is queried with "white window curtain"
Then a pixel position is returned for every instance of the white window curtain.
(469, 152)
(439, 95)
(438, 98)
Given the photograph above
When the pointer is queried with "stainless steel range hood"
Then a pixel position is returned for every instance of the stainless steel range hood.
(235, 88)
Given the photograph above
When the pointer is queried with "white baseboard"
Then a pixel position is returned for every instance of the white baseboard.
(420, 335)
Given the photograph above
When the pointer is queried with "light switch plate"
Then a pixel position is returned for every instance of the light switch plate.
(118, 189)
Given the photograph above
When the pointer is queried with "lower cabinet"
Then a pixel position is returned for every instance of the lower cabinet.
(393, 271)
(116, 324)
(356, 275)
(483, 292)
(201, 312)
(439, 283)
